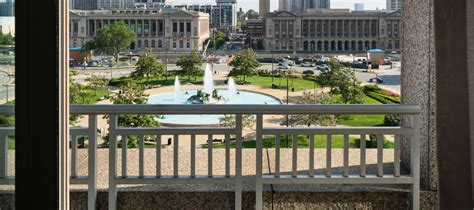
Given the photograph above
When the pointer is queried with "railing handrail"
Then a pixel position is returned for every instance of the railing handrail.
(243, 109)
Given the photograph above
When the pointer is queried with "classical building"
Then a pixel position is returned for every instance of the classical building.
(301, 6)
(394, 5)
(338, 30)
(176, 30)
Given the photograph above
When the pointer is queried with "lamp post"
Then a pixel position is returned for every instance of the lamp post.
(273, 61)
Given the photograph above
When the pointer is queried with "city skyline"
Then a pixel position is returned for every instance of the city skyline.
(252, 4)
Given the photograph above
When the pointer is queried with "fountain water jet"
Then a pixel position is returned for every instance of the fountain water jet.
(177, 90)
(232, 90)
(208, 80)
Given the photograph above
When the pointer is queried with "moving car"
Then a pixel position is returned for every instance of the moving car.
(376, 80)
(307, 64)
(308, 72)
(283, 67)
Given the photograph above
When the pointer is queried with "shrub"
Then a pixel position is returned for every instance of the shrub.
(391, 120)
(371, 88)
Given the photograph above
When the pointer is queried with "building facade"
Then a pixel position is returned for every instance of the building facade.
(156, 30)
(358, 7)
(115, 4)
(263, 7)
(7, 8)
(394, 5)
(301, 6)
(223, 15)
(333, 31)
(255, 33)
(83, 4)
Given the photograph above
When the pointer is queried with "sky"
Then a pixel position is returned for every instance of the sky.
(253, 4)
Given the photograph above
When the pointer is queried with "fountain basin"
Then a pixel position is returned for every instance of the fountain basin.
(243, 97)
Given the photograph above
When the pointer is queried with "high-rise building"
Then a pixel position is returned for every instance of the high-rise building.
(223, 15)
(301, 6)
(394, 5)
(358, 6)
(264, 7)
(7, 8)
(83, 4)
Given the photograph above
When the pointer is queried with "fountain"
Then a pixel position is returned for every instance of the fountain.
(208, 80)
(177, 90)
(232, 90)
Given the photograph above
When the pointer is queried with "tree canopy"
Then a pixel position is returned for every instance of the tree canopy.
(221, 39)
(147, 66)
(191, 65)
(244, 64)
(111, 40)
(342, 81)
(314, 119)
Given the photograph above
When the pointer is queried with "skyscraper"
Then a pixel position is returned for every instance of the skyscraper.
(7, 8)
(300, 6)
(83, 4)
(393, 5)
(264, 7)
(358, 6)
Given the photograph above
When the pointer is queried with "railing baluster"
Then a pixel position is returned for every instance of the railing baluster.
(328, 154)
(124, 155)
(277, 156)
(141, 156)
(238, 162)
(346, 155)
(92, 165)
(362, 155)
(227, 155)
(380, 140)
(175, 156)
(74, 156)
(311, 155)
(209, 156)
(415, 162)
(294, 171)
(258, 182)
(158, 155)
(193, 155)
(3, 156)
(112, 163)
(396, 158)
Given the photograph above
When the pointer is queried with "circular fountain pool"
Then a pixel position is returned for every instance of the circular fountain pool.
(242, 97)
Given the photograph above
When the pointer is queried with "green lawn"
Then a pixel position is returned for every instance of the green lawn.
(303, 142)
(169, 81)
(362, 120)
(298, 84)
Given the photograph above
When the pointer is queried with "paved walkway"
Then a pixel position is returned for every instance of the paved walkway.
(248, 169)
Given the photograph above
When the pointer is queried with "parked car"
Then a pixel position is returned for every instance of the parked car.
(322, 67)
(376, 80)
(307, 64)
(308, 72)
(283, 67)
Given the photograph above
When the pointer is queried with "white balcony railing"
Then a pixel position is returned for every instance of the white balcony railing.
(410, 131)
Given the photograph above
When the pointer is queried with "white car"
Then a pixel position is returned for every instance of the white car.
(307, 64)
(322, 67)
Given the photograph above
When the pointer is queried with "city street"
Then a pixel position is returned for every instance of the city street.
(391, 77)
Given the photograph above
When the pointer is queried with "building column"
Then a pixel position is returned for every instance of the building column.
(143, 27)
(357, 28)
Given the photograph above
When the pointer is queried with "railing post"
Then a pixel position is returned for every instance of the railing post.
(112, 162)
(258, 177)
(238, 162)
(92, 170)
(415, 162)
(3, 156)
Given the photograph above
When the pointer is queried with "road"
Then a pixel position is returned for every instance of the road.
(391, 76)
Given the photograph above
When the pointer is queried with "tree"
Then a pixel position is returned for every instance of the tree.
(292, 74)
(229, 121)
(111, 40)
(133, 94)
(7, 39)
(314, 119)
(244, 64)
(190, 65)
(342, 81)
(148, 66)
(97, 82)
(221, 38)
